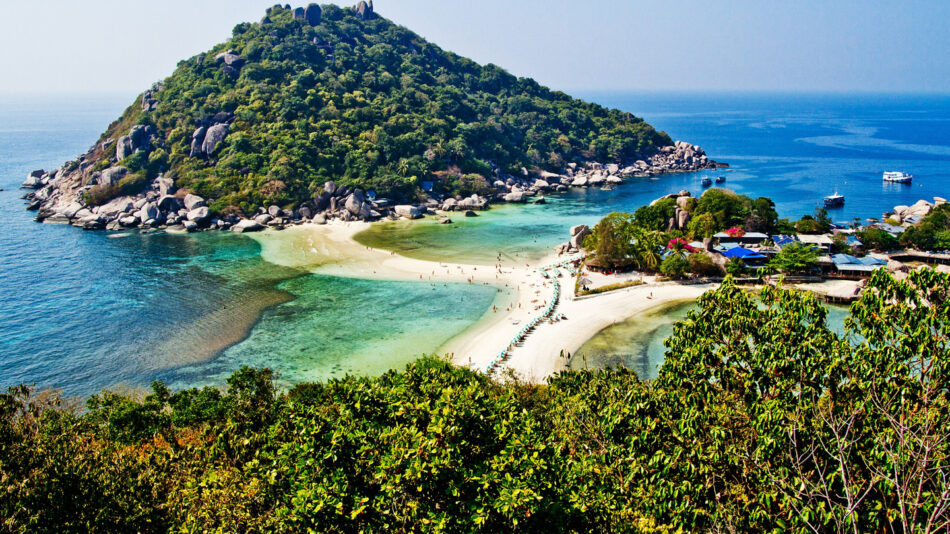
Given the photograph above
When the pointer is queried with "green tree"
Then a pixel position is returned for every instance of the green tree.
(610, 240)
(703, 226)
(726, 207)
(703, 265)
(735, 267)
(762, 217)
(656, 217)
(877, 239)
(675, 266)
(795, 258)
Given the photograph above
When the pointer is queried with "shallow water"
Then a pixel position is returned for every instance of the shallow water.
(337, 326)
(637, 343)
(86, 310)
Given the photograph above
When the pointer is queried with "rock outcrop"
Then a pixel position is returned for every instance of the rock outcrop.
(919, 209)
(247, 225)
(313, 14)
(215, 135)
(364, 10)
(578, 234)
(34, 180)
(230, 63)
(111, 176)
(409, 212)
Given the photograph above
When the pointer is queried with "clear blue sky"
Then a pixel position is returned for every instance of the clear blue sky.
(800, 45)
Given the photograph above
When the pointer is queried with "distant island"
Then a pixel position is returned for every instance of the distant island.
(323, 113)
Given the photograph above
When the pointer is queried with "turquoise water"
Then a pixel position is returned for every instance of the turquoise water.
(637, 343)
(85, 310)
(794, 149)
(337, 326)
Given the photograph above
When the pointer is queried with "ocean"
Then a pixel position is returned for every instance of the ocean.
(80, 311)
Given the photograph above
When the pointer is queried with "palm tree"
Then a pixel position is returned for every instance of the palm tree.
(645, 247)
(402, 167)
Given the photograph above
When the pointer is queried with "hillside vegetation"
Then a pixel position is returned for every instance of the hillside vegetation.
(360, 100)
(761, 420)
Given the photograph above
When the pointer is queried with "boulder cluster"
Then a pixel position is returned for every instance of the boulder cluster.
(157, 206)
(58, 196)
(139, 139)
(149, 102)
(919, 209)
(230, 63)
(364, 10)
(681, 216)
(681, 157)
(574, 245)
(312, 14)
(205, 138)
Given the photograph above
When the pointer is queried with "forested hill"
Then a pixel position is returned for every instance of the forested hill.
(316, 94)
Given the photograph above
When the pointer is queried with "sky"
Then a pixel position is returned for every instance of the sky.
(123, 46)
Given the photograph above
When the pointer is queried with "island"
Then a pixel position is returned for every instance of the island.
(323, 113)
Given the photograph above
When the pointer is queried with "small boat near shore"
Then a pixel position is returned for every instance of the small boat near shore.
(720, 179)
(706, 181)
(834, 201)
(898, 177)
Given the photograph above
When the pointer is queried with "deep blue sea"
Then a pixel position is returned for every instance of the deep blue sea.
(81, 310)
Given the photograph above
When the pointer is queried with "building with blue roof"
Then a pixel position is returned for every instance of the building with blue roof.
(848, 264)
(782, 240)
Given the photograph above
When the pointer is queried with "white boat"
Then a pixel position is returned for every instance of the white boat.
(834, 201)
(898, 177)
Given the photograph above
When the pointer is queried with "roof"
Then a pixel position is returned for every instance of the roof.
(755, 235)
(815, 239)
(890, 228)
(723, 235)
(743, 253)
(727, 246)
(781, 240)
(847, 262)
(697, 245)
(856, 268)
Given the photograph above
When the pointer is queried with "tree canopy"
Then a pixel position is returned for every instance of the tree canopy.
(369, 104)
(762, 419)
(795, 258)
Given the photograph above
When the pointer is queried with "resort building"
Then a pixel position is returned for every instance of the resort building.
(889, 228)
(821, 242)
(750, 258)
(782, 240)
(848, 264)
(750, 238)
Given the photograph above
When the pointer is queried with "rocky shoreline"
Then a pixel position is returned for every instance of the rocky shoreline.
(59, 196)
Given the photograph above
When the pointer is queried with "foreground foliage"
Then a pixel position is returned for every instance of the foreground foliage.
(761, 420)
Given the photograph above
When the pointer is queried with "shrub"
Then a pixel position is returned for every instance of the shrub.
(675, 266)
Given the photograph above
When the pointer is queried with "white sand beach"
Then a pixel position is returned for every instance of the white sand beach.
(522, 293)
